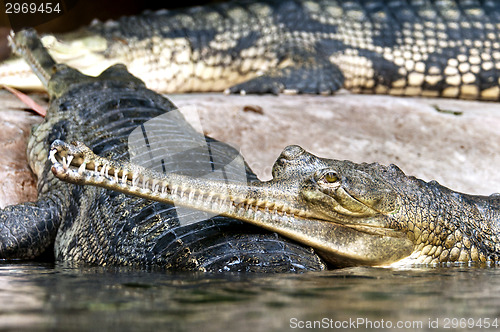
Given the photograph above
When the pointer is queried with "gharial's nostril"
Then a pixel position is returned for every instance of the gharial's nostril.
(292, 152)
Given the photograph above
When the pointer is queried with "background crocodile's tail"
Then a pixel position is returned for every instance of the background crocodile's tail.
(27, 44)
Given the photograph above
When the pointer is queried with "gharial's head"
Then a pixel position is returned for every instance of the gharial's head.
(340, 190)
(350, 210)
(350, 213)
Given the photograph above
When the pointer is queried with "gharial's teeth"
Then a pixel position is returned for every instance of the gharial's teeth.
(268, 204)
(124, 177)
(52, 156)
(164, 188)
(250, 200)
(68, 161)
(200, 199)
(82, 168)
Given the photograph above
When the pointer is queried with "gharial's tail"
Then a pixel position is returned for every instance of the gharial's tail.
(27, 44)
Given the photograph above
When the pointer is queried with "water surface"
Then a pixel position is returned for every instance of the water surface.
(44, 297)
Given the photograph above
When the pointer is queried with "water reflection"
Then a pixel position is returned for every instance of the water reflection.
(44, 297)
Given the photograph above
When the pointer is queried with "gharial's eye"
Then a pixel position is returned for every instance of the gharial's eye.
(330, 177)
(326, 176)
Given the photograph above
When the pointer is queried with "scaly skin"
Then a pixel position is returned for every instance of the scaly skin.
(352, 214)
(445, 48)
(87, 225)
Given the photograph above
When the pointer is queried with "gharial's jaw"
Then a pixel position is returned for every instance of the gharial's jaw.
(265, 204)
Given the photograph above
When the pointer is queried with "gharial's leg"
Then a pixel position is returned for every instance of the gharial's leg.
(307, 76)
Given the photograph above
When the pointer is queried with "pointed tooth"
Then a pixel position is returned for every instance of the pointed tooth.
(208, 201)
(52, 156)
(68, 161)
(82, 167)
(215, 204)
(251, 201)
(200, 199)
(164, 187)
(241, 210)
(284, 217)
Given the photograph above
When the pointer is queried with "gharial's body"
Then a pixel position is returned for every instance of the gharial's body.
(405, 47)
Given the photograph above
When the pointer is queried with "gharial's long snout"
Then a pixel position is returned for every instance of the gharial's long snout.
(281, 205)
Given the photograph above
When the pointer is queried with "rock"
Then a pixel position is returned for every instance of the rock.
(18, 182)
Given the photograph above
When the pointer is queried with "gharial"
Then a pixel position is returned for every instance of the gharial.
(448, 48)
(350, 213)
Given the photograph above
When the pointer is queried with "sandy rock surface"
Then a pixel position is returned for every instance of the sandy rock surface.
(454, 142)
(17, 183)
